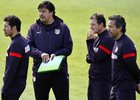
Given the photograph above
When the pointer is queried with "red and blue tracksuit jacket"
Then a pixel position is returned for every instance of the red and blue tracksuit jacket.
(125, 72)
(17, 58)
(99, 55)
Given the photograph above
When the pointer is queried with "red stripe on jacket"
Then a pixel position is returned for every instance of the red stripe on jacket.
(129, 55)
(104, 49)
(15, 55)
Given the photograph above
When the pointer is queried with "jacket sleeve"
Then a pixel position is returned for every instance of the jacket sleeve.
(67, 43)
(12, 65)
(102, 51)
(34, 52)
(129, 56)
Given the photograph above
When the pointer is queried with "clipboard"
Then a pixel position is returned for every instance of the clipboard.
(52, 65)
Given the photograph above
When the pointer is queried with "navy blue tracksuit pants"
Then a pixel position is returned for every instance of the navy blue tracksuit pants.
(13, 93)
(58, 81)
(99, 89)
(123, 94)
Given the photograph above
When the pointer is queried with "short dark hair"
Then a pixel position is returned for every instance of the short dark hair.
(13, 21)
(119, 21)
(48, 5)
(100, 18)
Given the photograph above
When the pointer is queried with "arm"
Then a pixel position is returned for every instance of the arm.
(102, 51)
(34, 52)
(12, 64)
(129, 56)
(90, 36)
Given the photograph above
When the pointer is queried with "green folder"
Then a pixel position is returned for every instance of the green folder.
(52, 65)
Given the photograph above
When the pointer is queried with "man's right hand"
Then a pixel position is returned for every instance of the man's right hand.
(45, 57)
(138, 88)
(90, 35)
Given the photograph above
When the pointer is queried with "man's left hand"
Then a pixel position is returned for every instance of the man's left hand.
(52, 56)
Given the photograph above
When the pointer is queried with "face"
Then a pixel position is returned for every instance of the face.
(45, 16)
(94, 26)
(112, 29)
(8, 31)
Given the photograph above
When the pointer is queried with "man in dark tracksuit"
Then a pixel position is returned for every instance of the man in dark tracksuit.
(49, 37)
(99, 55)
(125, 72)
(16, 60)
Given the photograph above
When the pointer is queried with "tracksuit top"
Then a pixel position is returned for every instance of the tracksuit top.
(99, 51)
(125, 72)
(17, 58)
(54, 38)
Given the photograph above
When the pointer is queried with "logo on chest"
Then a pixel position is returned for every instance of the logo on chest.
(113, 56)
(38, 32)
(57, 31)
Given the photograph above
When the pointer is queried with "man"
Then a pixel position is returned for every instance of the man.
(125, 72)
(49, 37)
(16, 60)
(99, 55)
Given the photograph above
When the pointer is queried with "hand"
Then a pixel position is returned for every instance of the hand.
(52, 56)
(138, 88)
(90, 35)
(88, 59)
(45, 57)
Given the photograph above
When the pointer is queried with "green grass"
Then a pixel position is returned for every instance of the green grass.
(75, 14)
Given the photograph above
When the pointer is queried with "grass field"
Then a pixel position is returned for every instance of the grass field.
(75, 14)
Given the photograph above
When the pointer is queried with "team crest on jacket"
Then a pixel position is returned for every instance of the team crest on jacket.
(57, 31)
(113, 56)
